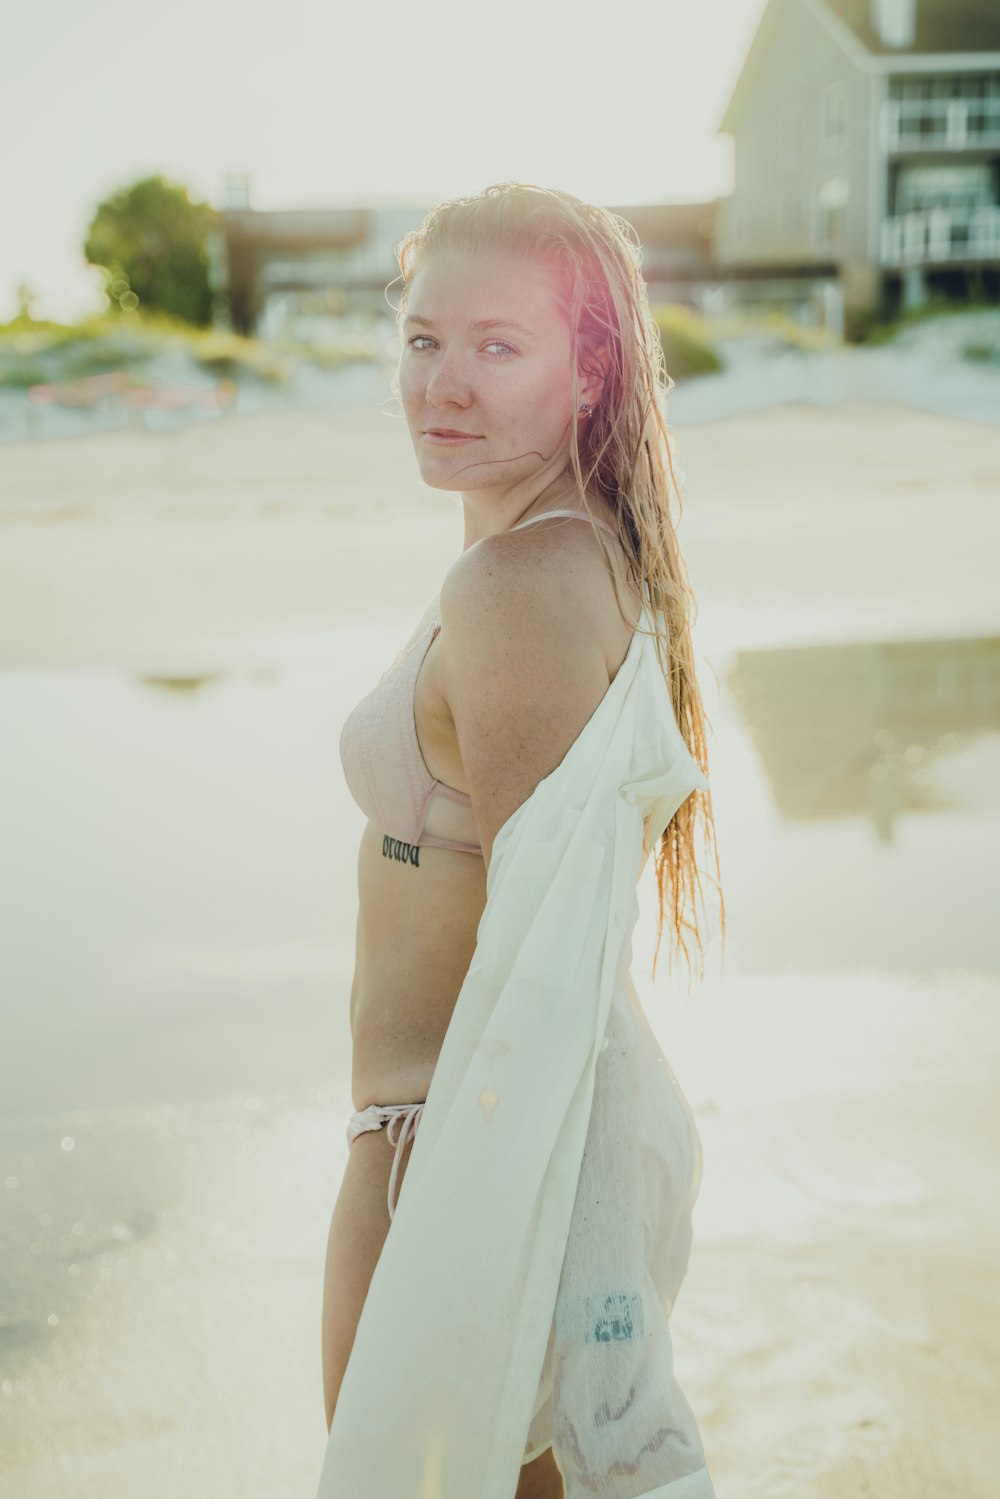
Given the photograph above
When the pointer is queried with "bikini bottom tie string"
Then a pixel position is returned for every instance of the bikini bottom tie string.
(410, 1116)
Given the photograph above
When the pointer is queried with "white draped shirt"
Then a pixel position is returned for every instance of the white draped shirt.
(437, 1397)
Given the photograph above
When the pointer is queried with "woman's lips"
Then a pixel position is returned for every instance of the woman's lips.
(448, 441)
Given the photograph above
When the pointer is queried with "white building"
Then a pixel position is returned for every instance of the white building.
(867, 153)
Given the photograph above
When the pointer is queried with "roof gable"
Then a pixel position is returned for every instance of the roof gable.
(774, 18)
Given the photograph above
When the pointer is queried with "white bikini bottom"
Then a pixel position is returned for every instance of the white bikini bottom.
(374, 1117)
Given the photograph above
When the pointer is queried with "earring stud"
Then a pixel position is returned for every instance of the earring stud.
(586, 409)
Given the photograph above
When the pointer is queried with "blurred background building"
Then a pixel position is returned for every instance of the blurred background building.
(866, 137)
(866, 141)
(298, 272)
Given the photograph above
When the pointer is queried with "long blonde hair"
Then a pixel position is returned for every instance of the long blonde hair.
(624, 450)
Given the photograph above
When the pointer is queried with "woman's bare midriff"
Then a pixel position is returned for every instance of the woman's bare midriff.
(417, 924)
(415, 938)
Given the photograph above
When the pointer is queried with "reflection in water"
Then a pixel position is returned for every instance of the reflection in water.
(848, 728)
(179, 684)
(189, 683)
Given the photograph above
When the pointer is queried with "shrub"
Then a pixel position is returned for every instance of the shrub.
(686, 339)
(232, 354)
(981, 353)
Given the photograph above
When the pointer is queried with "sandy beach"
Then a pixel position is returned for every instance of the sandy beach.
(185, 620)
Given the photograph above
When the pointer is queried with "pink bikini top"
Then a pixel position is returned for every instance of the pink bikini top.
(382, 760)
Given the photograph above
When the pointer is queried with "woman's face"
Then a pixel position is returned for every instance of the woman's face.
(464, 368)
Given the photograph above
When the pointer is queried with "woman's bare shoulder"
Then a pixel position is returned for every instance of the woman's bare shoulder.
(522, 669)
(509, 594)
(553, 562)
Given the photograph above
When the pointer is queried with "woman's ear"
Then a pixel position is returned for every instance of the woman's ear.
(593, 373)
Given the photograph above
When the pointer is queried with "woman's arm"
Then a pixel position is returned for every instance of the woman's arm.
(523, 669)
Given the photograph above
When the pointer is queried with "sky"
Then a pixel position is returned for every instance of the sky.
(328, 105)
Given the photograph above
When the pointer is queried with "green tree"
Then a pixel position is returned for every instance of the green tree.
(151, 240)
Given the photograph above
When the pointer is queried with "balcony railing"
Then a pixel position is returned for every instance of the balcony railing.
(941, 124)
(937, 236)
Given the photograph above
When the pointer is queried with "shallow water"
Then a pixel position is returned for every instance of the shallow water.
(178, 893)
(177, 889)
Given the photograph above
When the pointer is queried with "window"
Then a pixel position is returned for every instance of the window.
(894, 21)
(960, 185)
(833, 118)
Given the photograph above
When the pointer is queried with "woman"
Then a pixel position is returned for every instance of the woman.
(530, 378)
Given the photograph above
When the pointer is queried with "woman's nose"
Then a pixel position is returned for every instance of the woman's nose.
(447, 381)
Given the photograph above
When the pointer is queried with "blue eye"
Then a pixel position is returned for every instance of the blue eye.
(494, 342)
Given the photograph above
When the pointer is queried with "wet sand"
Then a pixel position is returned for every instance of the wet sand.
(172, 1135)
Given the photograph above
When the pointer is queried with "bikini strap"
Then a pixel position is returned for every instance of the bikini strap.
(580, 514)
